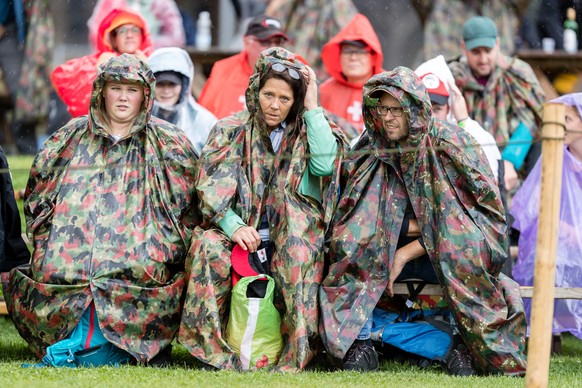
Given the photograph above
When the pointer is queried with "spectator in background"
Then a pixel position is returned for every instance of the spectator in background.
(311, 24)
(502, 93)
(110, 205)
(351, 58)
(34, 93)
(26, 46)
(161, 16)
(12, 37)
(443, 21)
(448, 104)
(120, 32)
(174, 102)
(525, 209)
(224, 91)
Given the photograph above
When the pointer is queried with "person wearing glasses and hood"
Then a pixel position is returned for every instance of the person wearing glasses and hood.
(351, 58)
(416, 202)
(174, 102)
(110, 205)
(268, 178)
(122, 31)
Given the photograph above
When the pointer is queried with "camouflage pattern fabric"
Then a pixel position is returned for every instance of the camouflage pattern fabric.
(459, 210)
(445, 19)
(110, 223)
(512, 95)
(240, 171)
(33, 95)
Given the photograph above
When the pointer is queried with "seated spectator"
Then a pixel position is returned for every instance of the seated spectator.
(309, 25)
(120, 32)
(267, 179)
(525, 209)
(174, 102)
(502, 94)
(448, 104)
(162, 17)
(442, 22)
(351, 58)
(110, 205)
(224, 91)
(415, 200)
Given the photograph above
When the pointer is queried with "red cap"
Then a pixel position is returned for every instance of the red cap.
(436, 89)
(241, 264)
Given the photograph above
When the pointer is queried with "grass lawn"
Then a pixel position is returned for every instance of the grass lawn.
(20, 168)
(565, 370)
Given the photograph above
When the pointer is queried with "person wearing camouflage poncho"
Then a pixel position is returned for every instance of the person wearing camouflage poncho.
(501, 92)
(443, 172)
(110, 220)
(242, 181)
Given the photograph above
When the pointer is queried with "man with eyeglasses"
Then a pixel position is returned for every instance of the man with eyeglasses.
(351, 58)
(224, 91)
(415, 203)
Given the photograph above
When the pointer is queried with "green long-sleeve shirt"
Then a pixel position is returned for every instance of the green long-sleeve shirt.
(323, 150)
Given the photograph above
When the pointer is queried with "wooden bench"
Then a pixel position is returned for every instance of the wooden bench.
(526, 291)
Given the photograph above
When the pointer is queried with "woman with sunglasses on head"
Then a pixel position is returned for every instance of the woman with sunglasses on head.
(122, 31)
(267, 179)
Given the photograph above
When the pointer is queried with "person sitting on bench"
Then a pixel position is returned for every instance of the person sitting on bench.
(409, 166)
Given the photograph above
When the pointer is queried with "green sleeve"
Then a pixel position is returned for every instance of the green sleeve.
(322, 143)
(230, 223)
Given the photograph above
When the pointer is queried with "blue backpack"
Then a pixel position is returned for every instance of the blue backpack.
(424, 332)
(85, 346)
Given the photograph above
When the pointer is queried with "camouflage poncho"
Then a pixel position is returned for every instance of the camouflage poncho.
(111, 224)
(512, 95)
(459, 210)
(238, 170)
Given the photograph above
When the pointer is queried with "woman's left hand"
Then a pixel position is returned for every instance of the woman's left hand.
(311, 94)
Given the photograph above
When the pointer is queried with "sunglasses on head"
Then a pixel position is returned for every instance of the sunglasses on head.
(280, 68)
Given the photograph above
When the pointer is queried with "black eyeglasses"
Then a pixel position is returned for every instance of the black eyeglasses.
(396, 111)
(124, 30)
(348, 52)
(280, 68)
(274, 42)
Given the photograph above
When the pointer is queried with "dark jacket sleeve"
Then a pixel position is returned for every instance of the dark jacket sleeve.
(13, 250)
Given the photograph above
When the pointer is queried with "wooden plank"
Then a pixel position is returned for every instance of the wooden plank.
(559, 293)
(526, 291)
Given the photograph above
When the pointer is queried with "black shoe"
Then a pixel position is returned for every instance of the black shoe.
(459, 362)
(163, 359)
(361, 357)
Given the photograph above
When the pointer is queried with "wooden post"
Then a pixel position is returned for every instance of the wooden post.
(542, 311)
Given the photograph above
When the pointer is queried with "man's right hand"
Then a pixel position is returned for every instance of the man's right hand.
(248, 238)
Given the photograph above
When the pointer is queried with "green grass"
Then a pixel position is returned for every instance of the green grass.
(565, 370)
(20, 168)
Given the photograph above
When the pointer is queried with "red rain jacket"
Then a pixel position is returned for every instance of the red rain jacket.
(337, 95)
(73, 80)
